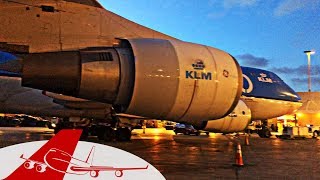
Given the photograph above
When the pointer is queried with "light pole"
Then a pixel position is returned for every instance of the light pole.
(308, 53)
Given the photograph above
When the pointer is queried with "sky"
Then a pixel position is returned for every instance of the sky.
(267, 34)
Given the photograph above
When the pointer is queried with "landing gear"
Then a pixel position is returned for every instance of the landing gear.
(315, 134)
(81, 124)
(113, 131)
(123, 134)
(264, 132)
(107, 133)
(108, 129)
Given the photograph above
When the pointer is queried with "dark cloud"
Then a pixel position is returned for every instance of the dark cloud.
(301, 70)
(253, 61)
(315, 81)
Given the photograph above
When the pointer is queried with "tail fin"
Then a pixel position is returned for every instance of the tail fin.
(90, 156)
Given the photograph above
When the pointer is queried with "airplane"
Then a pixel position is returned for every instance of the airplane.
(55, 157)
(87, 59)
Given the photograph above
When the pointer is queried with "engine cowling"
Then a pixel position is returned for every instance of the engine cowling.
(162, 79)
(236, 121)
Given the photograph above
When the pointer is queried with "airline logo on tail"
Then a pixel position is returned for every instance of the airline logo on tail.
(65, 157)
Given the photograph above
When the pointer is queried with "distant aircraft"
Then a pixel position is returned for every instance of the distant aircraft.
(85, 58)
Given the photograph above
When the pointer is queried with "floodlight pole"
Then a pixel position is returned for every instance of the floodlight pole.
(308, 53)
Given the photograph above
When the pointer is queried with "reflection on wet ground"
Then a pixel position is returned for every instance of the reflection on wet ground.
(203, 157)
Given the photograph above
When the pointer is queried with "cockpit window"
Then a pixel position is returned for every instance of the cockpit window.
(93, 3)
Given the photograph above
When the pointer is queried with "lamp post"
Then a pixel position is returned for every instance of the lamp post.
(308, 53)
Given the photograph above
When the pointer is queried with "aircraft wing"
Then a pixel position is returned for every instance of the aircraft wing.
(105, 168)
(16, 99)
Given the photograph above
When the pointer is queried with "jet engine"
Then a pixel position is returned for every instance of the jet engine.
(236, 121)
(155, 78)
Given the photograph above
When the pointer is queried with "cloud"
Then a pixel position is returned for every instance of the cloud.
(298, 81)
(224, 6)
(253, 61)
(301, 70)
(289, 6)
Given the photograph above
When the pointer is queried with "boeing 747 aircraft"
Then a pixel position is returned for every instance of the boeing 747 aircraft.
(86, 58)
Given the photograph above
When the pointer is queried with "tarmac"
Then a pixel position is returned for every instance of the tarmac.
(205, 157)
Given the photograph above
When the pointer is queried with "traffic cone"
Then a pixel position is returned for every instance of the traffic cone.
(246, 142)
(239, 160)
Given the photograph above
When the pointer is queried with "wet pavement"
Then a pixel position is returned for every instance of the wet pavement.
(205, 157)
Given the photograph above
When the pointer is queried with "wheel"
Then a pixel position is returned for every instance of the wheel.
(118, 173)
(28, 165)
(84, 134)
(267, 133)
(41, 168)
(315, 134)
(100, 132)
(108, 134)
(123, 134)
(261, 134)
(94, 174)
(264, 133)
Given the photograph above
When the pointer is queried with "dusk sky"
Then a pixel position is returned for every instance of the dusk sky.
(267, 34)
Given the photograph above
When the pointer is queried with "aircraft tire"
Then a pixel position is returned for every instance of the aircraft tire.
(315, 134)
(85, 133)
(94, 174)
(108, 134)
(100, 133)
(118, 173)
(123, 134)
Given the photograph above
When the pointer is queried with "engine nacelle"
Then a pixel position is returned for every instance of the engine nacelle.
(162, 79)
(236, 121)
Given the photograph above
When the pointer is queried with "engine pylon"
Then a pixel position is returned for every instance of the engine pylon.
(239, 160)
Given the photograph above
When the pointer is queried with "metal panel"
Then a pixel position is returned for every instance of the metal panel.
(156, 77)
(57, 72)
(196, 93)
(100, 77)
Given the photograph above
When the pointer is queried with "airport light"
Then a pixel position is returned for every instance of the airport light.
(309, 53)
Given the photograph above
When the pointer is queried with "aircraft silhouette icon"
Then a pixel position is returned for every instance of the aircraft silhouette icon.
(54, 159)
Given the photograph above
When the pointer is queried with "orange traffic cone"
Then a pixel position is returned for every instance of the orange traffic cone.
(247, 140)
(239, 160)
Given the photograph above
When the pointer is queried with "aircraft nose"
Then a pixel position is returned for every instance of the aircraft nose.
(10, 64)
